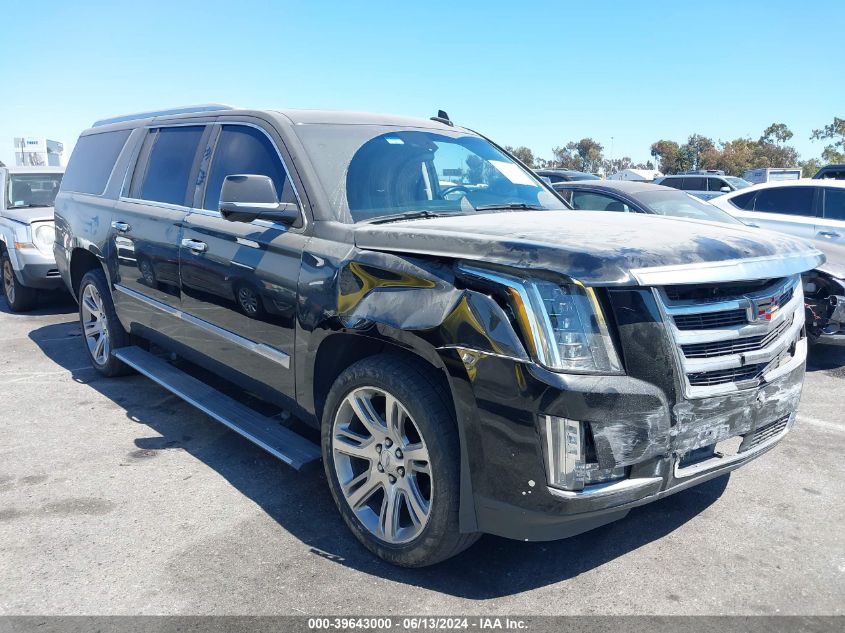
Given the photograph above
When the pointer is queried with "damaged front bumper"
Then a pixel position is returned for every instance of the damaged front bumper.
(662, 449)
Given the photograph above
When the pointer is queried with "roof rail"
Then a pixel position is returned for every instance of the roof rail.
(208, 107)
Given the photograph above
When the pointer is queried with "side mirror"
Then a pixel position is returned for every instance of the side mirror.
(725, 189)
(248, 197)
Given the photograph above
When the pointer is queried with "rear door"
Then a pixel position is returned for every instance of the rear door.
(830, 227)
(786, 209)
(239, 280)
(147, 220)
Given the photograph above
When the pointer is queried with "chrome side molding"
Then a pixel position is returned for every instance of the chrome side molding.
(270, 353)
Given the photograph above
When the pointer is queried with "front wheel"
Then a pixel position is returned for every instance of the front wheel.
(101, 328)
(20, 298)
(392, 459)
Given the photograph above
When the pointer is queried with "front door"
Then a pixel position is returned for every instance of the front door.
(239, 279)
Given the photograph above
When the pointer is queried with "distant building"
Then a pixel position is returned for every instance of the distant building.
(38, 152)
(641, 175)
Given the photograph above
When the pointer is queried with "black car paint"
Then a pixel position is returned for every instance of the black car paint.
(346, 291)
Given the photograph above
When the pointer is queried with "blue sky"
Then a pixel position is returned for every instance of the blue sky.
(525, 73)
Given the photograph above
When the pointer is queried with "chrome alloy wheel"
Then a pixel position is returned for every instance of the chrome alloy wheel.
(382, 465)
(95, 325)
(8, 280)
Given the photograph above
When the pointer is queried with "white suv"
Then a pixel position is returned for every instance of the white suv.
(812, 209)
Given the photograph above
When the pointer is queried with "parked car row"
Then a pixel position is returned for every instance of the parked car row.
(474, 356)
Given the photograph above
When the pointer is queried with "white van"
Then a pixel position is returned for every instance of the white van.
(771, 174)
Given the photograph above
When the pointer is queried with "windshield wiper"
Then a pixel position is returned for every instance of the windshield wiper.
(510, 206)
(408, 215)
(27, 206)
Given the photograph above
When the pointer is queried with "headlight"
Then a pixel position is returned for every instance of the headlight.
(43, 236)
(564, 323)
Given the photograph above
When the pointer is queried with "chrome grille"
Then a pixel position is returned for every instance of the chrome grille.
(734, 346)
(736, 341)
(710, 321)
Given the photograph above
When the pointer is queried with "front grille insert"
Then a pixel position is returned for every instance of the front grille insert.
(735, 346)
(710, 293)
(710, 320)
(764, 434)
(731, 341)
(724, 376)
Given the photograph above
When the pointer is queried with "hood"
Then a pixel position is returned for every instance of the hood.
(600, 248)
(29, 214)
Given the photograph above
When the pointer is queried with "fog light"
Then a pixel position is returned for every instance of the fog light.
(565, 453)
(571, 456)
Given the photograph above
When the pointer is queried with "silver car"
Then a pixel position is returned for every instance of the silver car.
(815, 210)
(27, 263)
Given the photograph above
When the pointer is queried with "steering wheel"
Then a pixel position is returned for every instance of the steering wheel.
(452, 189)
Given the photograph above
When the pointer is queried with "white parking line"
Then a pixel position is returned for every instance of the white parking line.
(830, 426)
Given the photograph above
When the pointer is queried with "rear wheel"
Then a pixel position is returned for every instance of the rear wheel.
(20, 298)
(391, 454)
(101, 328)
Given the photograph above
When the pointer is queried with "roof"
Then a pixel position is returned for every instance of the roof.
(45, 169)
(805, 182)
(296, 117)
(340, 117)
(624, 186)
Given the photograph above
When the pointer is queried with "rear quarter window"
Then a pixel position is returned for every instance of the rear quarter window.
(92, 162)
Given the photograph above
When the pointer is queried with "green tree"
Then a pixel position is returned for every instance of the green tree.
(584, 155)
(699, 152)
(809, 167)
(776, 133)
(522, 153)
(666, 153)
(835, 152)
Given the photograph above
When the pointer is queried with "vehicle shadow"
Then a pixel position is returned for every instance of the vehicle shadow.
(49, 302)
(301, 503)
(825, 357)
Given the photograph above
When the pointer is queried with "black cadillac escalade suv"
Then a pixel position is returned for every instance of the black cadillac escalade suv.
(476, 356)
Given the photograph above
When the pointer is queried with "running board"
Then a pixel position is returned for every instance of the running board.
(269, 434)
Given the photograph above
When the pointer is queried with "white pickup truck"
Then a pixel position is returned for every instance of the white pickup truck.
(27, 263)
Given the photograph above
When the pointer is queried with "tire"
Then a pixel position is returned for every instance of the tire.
(423, 487)
(102, 332)
(18, 297)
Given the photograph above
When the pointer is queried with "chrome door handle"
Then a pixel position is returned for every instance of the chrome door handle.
(195, 245)
(829, 233)
(120, 226)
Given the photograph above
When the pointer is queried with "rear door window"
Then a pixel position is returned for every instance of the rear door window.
(694, 184)
(92, 161)
(171, 160)
(786, 200)
(676, 183)
(834, 203)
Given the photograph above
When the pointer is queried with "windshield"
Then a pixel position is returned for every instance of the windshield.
(32, 190)
(738, 183)
(682, 205)
(373, 171)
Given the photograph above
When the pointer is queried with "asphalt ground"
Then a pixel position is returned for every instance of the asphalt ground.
(117, 498)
